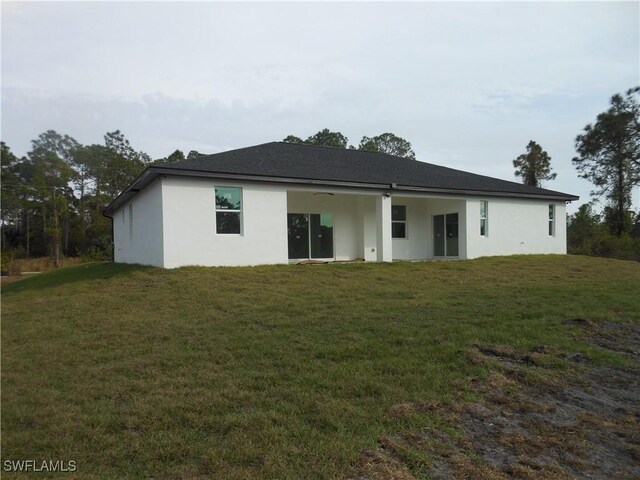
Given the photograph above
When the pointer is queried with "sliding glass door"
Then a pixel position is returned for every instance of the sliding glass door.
(321, 235)
(310, 235)
(445, 235)
(298, 232)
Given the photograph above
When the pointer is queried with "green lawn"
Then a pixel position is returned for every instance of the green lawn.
(269, 372)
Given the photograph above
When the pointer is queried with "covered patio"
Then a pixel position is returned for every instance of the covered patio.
(334, 225)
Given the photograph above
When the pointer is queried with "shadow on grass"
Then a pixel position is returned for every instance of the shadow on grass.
(77, 273)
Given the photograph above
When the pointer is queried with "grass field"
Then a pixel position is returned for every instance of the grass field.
(271, 372)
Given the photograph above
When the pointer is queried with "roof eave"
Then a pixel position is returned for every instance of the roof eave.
(381, 186)
(152, 173)
(489, 193)
(138, 184)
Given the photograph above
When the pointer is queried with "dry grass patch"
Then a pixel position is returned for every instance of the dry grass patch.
(40, 264)
(584, 424)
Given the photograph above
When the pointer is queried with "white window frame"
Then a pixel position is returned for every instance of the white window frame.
(226, 210)
(552, 220)
(406, 231)
(484, 203)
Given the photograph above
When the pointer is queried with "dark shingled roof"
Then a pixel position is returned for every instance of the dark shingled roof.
(279, 161)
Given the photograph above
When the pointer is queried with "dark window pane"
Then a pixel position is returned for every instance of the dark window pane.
(298, 235)
(452, 234)
(321, 227)
(551, 228)
(483, 227)
(227, 222)
(398, 212)
(399, 230)
(438, 236)
(228, 198)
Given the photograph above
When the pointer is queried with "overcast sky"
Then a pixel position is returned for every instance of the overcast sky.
(468, 84)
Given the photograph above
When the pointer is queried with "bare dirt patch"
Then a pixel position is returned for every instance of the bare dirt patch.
(584, 424)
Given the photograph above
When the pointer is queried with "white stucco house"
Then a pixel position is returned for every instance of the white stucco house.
(281, 202)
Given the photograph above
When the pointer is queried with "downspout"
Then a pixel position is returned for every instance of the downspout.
(113, 237)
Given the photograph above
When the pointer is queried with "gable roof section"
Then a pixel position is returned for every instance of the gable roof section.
(310, 164)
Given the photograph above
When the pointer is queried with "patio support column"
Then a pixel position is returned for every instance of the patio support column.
(383, 224)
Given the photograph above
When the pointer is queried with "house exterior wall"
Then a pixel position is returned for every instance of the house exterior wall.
(189, 219)
(415, 246)
(516, 226)
(368, 233)
(138, 238)
(174, 224)
(420, 212)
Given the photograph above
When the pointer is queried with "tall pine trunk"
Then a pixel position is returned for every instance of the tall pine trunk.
(44, 224)
(56, 232)
(66, 234)
(28, 234)
(620, 227)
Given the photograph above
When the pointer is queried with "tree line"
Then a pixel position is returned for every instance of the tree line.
(52, 198)
(608, 155)
(385, 143)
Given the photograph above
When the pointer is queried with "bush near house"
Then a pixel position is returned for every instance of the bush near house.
(274, 372)
(590, 233)
(604, 244)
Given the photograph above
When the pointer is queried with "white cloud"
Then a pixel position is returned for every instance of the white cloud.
(469, 84)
